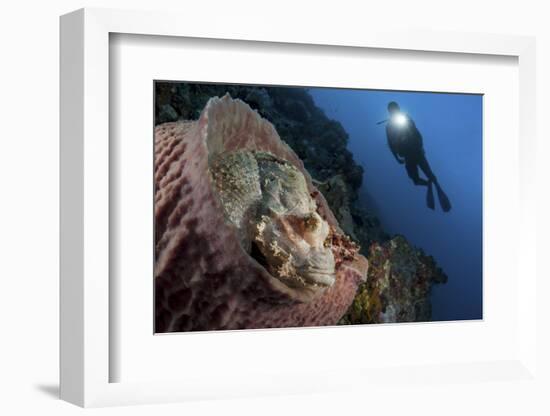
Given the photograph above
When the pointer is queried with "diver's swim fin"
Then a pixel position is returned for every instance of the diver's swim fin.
(443, 199)
(430, 196)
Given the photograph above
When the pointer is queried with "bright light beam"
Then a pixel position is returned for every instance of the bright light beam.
(399, 119)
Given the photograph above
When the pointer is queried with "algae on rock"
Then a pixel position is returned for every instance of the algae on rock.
(398, 285)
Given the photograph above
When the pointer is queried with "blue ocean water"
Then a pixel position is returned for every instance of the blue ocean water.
(451, 126)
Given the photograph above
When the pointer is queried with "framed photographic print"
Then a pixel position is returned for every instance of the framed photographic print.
(292, 227)
(227, 198)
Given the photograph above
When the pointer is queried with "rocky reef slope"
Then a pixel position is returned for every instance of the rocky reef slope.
(400, 276)
(398, 285)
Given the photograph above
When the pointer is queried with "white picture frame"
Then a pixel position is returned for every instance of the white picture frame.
(85, 353)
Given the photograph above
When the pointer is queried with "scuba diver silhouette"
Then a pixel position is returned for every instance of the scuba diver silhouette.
(406, 145)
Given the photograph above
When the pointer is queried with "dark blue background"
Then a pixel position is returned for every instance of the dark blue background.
(451, 125)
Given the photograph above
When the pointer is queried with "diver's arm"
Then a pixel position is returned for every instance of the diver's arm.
(399, 160)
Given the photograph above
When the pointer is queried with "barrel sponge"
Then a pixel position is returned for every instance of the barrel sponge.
(204, 278)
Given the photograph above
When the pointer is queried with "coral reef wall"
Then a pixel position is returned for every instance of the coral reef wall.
(321, 144)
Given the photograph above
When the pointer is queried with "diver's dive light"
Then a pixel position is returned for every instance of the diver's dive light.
(399, 119)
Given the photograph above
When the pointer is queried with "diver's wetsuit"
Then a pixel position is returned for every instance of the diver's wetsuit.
(406, 141)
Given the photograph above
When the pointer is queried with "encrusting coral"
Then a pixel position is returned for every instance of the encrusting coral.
(243, 239)
(398, 285)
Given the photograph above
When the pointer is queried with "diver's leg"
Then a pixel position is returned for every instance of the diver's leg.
(412, 171)
(441, 195)
(425, 166)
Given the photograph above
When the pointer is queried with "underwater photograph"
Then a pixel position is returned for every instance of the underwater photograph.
(279, 206)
